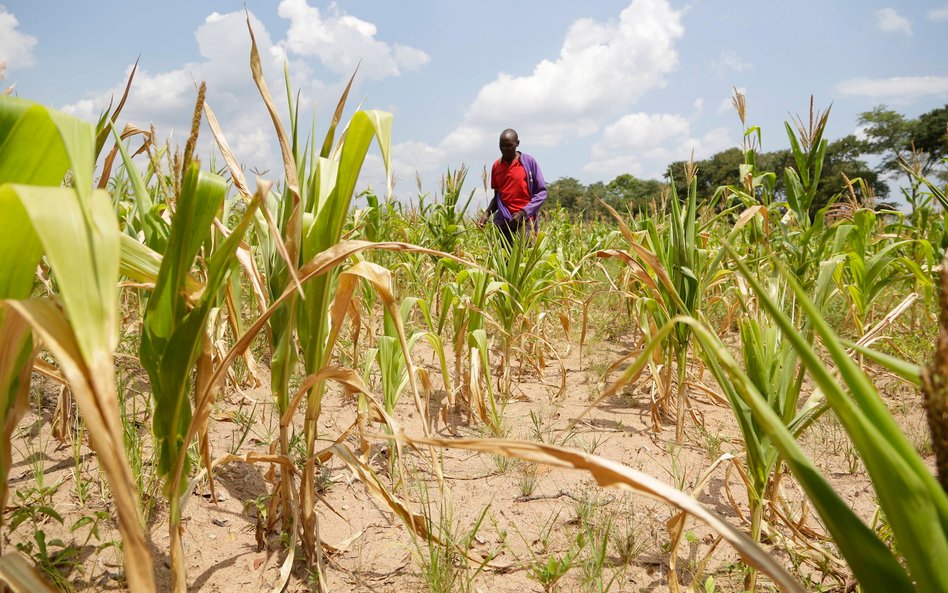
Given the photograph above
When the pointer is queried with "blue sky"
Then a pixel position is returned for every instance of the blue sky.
(595, 89)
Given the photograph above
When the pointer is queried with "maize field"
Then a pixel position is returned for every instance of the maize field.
(290, 383)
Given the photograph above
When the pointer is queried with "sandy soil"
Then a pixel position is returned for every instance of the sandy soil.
(530, 514)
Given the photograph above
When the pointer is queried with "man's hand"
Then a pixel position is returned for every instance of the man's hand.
(483, 220)
(518, 216)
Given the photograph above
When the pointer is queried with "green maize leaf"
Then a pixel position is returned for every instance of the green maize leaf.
(364, 126)
(78, 231)
(875, 567)
(817, 161)
(872, 563)
(936, 191)
(327, 172)
(222, 260)
(184, 346)
(923, 278)
(796, 195)
(142, 264)
(880, 260)
(155, 234)
(138, 261)
(438, 346)
(914, 503)
(20, 252)
(746, 216)
(841, 237)
(904, 369)
(478, 339)
(85, 261)
(31, 151)
(20, 248)
(857, 297)
(816, 228)
(39, 145)
(392, 369)
(11, 110)
(173, 335)
(202, 195)
(795, 148)
(330, 217)
(856, 267)
(78, 138)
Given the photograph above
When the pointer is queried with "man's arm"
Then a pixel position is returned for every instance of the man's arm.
(492, 205)
(491, 208)
(538, 189)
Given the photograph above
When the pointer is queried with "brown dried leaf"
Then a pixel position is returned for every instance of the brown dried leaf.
(99, 409)
(610, 474)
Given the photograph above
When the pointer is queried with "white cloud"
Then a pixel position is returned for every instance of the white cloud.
(16, 47)
(938, 14)
(640, 130)
(708, 144)
(698, 107)
(895, 88)
(729, 61)
(603, 67)
(340, 41)
(888, 20)
(643, 143)
(166, 98)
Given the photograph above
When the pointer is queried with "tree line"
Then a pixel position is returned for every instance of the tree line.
(891, 138)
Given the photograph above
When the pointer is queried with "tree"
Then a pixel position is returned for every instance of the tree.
(887, 134)
(930, 136)
(843, 158)
(566, 192)
(628, 192)
(921, 143)
(591, 207)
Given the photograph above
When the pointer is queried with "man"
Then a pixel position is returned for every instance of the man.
(519, 189)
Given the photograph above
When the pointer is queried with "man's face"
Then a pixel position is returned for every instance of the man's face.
(508, 147)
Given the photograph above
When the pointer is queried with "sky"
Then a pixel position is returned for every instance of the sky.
(595, 89)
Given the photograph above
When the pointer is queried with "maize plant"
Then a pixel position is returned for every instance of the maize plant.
(175, 333)
(184, 269)
(76, 230)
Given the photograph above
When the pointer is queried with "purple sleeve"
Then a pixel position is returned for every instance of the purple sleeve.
(537, 187)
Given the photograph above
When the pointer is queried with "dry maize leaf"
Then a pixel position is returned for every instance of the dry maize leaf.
(622, 226)
(321, 264)
(418, 524)
(62, 417)
(381, 280)
(129, 131)
(610, 474)
(17, 573)
(104, 132)
(94, 391)
(233, 165)
(16, 352)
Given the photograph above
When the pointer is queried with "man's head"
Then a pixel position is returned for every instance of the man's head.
(509, 141)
